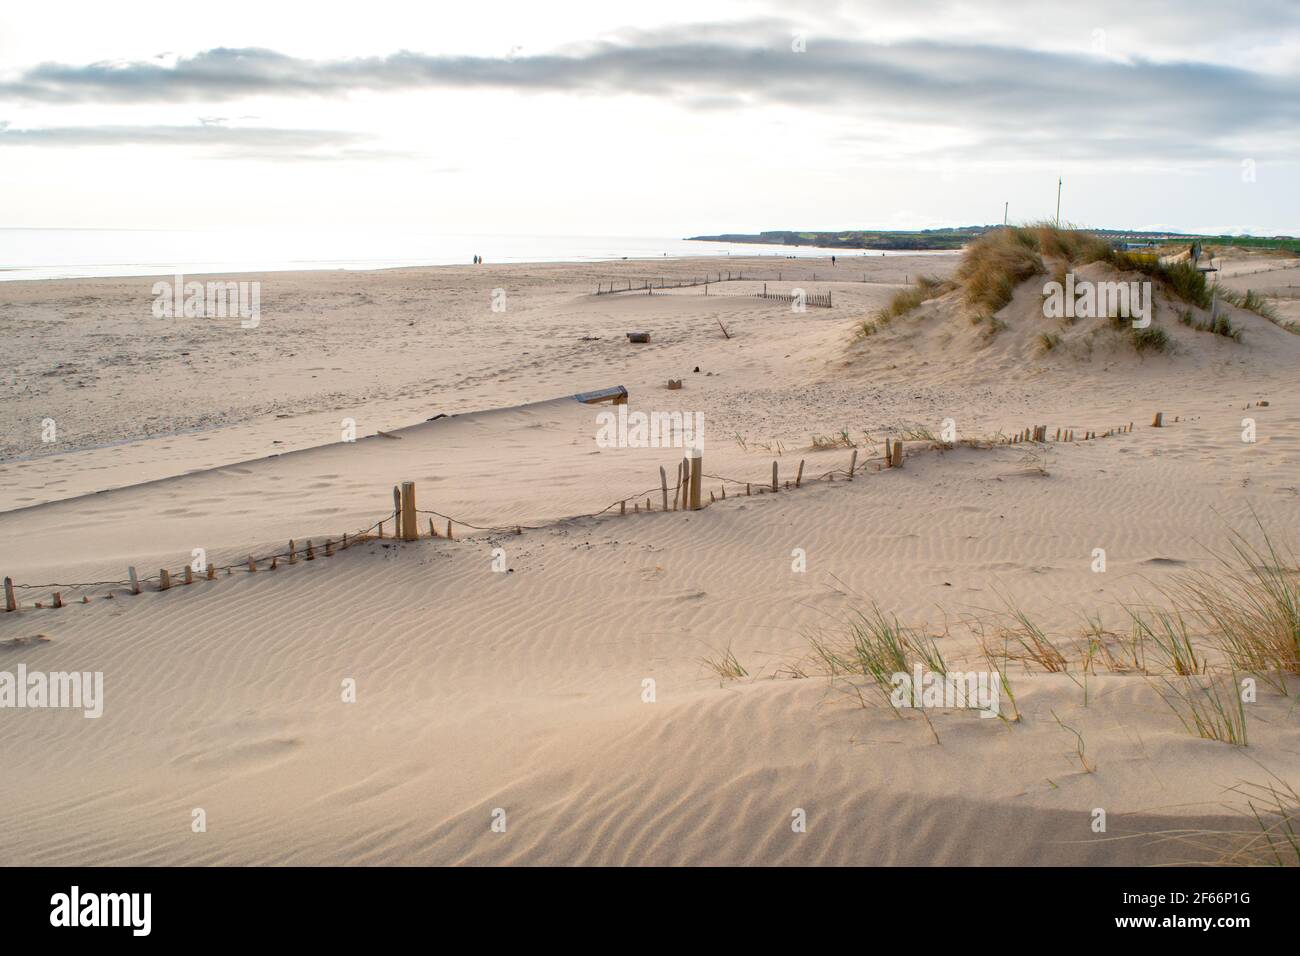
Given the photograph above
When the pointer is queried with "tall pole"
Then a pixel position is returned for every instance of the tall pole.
(1005, 207)
(1058, 202)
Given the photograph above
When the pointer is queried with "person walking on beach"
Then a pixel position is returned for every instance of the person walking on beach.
(832, 260)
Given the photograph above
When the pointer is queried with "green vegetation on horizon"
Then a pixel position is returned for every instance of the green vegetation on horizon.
(955, 238)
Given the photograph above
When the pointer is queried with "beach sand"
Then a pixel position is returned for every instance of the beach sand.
(571, 694)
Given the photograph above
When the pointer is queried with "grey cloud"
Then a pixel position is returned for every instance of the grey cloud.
(1090, 104)
(223, 142)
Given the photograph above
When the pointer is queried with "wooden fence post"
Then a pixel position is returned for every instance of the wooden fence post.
(853, 464)
(397, 512)
(410, 526)
(696, 460)
(799, 477)
(774, 482)
(897, 456)
(189, 574)
(663, 484)
(11, 603)
(164, 579)
(135, 582)
(293, 553)
(212, 571)
(1159, 421)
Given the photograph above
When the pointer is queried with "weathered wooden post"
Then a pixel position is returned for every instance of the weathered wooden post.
(1159, 421)
(798, 478)
(696, 459)
(189, 574)
(853, 463)
(410, 523)
(212, 571)
(397, 512)
(58, 599)
(774, 481)
(135, 581)
(11, 603)
(164, 579)
(293, 553)
(897, 456)
(663, 484)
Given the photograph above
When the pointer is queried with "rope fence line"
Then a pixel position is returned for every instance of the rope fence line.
(659, 282)
(686, 491)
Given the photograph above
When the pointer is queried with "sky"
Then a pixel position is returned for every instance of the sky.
(669, 118)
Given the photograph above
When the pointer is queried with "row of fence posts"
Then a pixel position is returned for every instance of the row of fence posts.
(687, 496)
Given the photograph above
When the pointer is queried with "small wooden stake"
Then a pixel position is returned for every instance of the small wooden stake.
(397, 512)
(329, 545)
(898, 453)
(448, 529)
(11, 603)
(252, 565)
(663, 485)
(164, 579)
(58, 599)
(410, 523)
(212, 571)
(622, 508)
(1159, 421)
(798, 478)
(274, 563)
(293, 553)
(135, 582)
(853, 464)
(775, 486)
(189, 574)
(311, 552)
(748, 493)
(697, 476)
(433, 533)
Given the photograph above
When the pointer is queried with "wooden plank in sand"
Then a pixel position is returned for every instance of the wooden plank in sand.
(11, 603)
(616, 394)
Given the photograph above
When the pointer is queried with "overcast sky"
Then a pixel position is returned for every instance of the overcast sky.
(668, 118)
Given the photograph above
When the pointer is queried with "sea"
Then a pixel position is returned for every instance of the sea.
(72, 253)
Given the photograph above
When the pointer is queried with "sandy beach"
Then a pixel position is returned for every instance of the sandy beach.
(642, 686)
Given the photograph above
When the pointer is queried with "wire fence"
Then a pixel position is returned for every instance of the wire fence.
(678, 496)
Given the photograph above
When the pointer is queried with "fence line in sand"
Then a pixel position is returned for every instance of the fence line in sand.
(686, 495)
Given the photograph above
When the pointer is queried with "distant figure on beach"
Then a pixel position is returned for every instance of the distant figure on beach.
(832, 260)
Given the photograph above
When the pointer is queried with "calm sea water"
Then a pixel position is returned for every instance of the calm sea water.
(68, 253)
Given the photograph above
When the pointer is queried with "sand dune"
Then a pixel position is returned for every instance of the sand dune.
(524, 690)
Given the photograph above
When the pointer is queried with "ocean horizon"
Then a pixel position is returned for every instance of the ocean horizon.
(27, 253)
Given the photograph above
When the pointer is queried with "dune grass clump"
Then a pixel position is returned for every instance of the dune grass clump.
(995, 263)
(1180, 278)
(1251, 602)
(1048, 341)
(1252, 301)
(1151, 339)
(1208, 707)
(725, 665)
(907, 300)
